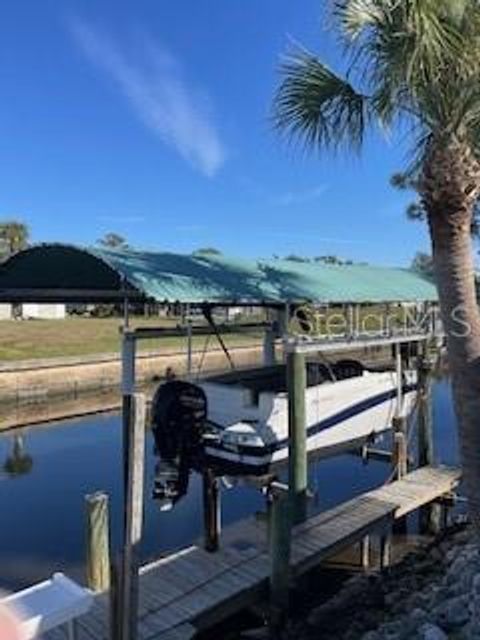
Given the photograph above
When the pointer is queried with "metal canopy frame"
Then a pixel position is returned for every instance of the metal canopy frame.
(312, 345)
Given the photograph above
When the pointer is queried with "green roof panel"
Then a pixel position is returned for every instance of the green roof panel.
(197, 278)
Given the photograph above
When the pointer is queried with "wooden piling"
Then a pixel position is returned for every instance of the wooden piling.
(134, 416)
(279, 534)
(211, 510)
(365, 553)
(134, 511)
(430, 516)
(297, 432)
(385, 551)
(400, 449)
(98, 542)
(424, 414)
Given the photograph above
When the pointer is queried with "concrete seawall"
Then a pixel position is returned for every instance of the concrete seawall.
(71, 376)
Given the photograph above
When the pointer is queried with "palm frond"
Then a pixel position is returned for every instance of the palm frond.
(357, 15)
(318, 106)
(403, 46)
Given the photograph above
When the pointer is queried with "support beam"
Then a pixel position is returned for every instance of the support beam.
(400, 452)
(365, 553)
(430, 516)
(98, 542)
(385, 551)
(211, 510)
(269, 355)
(279, 537)
(124, 626)
(134, 511)
(297, 433)
(399, 379)
(425, 421)
(189, 348)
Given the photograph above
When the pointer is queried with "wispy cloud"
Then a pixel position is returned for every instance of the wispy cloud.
(152, 81)
(299, 197)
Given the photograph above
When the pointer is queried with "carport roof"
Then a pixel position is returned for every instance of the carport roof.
(64, 273)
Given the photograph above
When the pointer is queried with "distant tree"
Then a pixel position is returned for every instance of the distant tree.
(333, 260)
(113, 241)
(329, 259)
(206, 251)
(294, 258)
(423, 263)
(14, 237)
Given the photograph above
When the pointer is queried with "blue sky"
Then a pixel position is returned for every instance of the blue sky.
(151, 119)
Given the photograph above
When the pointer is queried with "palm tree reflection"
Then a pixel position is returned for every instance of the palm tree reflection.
(19, 462)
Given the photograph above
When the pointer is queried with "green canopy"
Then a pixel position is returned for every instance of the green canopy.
(55, 272)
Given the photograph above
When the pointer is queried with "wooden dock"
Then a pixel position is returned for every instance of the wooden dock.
(192, 590)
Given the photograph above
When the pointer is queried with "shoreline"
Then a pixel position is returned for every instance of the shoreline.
(69, 377)
(432, 594)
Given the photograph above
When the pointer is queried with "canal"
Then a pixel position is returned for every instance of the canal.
(46, 470)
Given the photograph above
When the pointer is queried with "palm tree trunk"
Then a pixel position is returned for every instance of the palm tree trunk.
(454, 269)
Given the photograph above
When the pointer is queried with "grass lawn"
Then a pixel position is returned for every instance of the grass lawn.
(30, 339)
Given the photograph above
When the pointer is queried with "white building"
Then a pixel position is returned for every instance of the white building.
(44, 311)
(27, 311)
(6, 311)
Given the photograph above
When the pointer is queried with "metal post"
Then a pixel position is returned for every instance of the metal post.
(126, 319)
(297, 434)
(211, 510)
(189, 348)
(399, 377)
(269, 356)
(350, 322)
(279, 534)
(98, 544)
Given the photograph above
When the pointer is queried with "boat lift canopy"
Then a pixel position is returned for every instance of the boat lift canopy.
(64, 273)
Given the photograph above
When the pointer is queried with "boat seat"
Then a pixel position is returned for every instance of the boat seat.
(50, 604)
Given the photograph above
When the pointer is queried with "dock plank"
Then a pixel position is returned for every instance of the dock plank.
(192, 589)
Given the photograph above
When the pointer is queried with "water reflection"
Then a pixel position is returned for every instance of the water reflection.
(43, 521)
(18, 462)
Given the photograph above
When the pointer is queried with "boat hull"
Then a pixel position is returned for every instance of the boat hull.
(350, 421)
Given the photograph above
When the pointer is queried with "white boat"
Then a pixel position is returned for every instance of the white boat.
(248, 412)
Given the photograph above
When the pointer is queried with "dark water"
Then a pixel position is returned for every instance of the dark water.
(42, 527)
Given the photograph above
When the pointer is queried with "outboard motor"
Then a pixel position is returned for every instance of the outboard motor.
(179, 413)
(170, 482)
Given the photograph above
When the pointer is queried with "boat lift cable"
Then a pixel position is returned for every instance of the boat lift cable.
(328, 364)
(207, 312)
(202, 357)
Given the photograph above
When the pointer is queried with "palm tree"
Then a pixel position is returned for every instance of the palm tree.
(413, 63)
